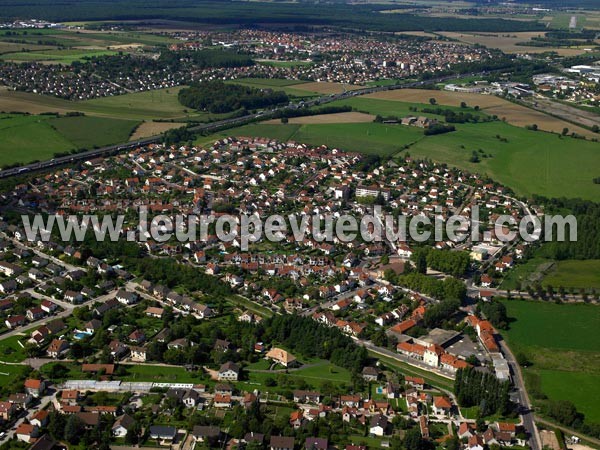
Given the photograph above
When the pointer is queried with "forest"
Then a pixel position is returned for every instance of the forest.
(358, 17)
(217, 97)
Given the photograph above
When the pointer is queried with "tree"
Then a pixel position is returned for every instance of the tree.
(432, 101)
(73, 429)
(463, 104)
(565, 131)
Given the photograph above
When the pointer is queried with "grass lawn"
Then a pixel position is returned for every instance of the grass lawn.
(583, 389)
(11, 349)
(28, 138)
(9, 373)
(574, 274)
(87, 132)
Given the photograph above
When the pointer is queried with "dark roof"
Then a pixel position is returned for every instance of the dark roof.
(44, 443)
(254, 437)
(379, 421)
(316, 443)
(281, 442)
(126, 421)
(229, 366)
(163, 431)
(206, 432)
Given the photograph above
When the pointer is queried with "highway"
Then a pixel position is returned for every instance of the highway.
(213, 126)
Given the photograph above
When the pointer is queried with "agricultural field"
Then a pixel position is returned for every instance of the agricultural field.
(290, 87)
(87, 132)
(146, 129)
(323, 87)
(347, 117)
(512, 113)
(507, 42)
(147, 105)
(529, 162)
(28, 138)
(372, 138)
(55, 56)
(563, 345)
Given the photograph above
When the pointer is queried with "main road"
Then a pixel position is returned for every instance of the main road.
(214, 126)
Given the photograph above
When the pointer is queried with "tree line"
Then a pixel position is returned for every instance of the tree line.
(482, 389)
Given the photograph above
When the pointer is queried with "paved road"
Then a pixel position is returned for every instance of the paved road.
(43, 403)
(527, 415)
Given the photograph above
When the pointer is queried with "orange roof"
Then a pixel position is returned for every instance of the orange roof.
(33, 384)
(404, 326)
(442, 402)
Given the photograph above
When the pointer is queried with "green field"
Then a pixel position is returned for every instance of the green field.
(28, 138)
(574, 274)
(87, 132)
(275, 63)
(583, 389)
(55, 56)
(561, 327)
(374, 138)
(563, 344)
(157, 104)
